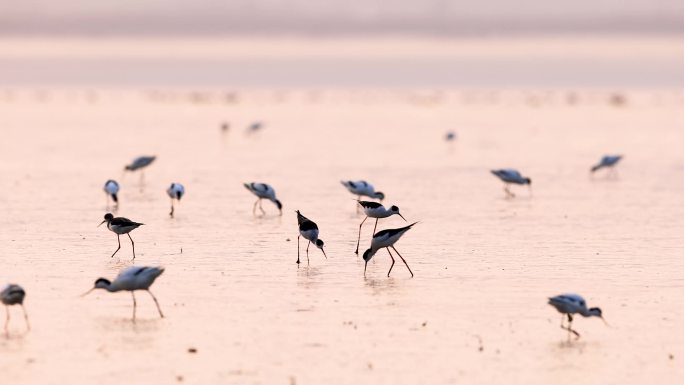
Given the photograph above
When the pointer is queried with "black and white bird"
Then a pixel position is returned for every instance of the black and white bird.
(569, 304)
(13, 295)
(386, 239)
(309, 230)
(377, 211)
(609, 162)
(175, 192)
(111, 188)
(362, 188)
(131, 279)
(510, 176)
(263, 191)
(140, 163)
(120, 226)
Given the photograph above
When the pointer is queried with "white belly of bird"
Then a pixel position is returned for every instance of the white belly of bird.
(379, 243)
(377, 213)
(310, 235)
(121, 229)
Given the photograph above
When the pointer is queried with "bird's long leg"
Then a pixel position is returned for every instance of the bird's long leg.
(376, 225)
(569, 327)
(7, 321)
(402, 258)
(307, 252)
(255, 205)
(171, 213)
(117, 249)
(134, 305)
(28, 326)
(298, 236)
(156, 303)
(359, 240)
(507, 189)
(392, 265)
(132, 243)
(261, 208)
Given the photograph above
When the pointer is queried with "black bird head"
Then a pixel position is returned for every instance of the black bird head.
(379, 195)
(280, 205)
(108, 217)
(528, 181)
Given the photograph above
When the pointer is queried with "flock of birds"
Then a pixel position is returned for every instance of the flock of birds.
(142, 277)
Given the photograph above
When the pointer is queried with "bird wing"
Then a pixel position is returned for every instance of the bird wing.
(307, 225)
(370, 205)
(392, 232)
(121, 221)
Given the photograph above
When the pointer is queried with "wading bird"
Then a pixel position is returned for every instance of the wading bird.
(13, 295)
(377, 211)
(386, 239)
(175, 192)
(120, 226)
(263, 191)
(609, 162)
(111, 188)
(509, 176)
(569, 304)
(131, 279)
(140, 163)
(309, 230)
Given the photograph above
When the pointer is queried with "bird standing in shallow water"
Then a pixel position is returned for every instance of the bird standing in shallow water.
(263, 191)
(509, 176)
(609, 162)
(111, 187)
(13, 295)
(386, 239)
(131, 279)
(377, 211)
(309, 230)
(140, 163)
(362, 188)
(569, 304)
(120, 226)
(175, 192)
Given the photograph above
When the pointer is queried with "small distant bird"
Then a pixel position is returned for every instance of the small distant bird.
(120, 226)
(254, 127)
(13, 295)
(263, 191)
(569, 304)
(111, 187)
(175, 192)
(131, 279)
(377, 211)
(386, 239)
(225, 127)
(450, 136)
(362, 188)
(509, 176)
(609, 162)
(140, 162)
(309, 230)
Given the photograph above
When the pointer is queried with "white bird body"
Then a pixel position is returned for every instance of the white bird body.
(309, 230)
(131, 279)
(377, 211)
(362, 188)
(13, 294)
(176, 191)
(386, 239)
(569, 304)
(608, 161)
(508, 176)
(111, 187)
(263, 191)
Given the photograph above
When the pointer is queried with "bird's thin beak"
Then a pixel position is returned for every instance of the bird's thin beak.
(101, 223)
(402, 217)
(87, 292)
(605, 322)
(326, 257)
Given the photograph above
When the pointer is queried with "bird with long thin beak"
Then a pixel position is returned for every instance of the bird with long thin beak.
(120, 226)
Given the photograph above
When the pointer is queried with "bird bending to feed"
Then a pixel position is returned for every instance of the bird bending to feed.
(509, 176)
(569, 304)
(609, 162)
(309, 230)
(362, 188)
(263, 191)
(13, 295)
(386, 239)
(120, 226)
(131, 279)
(175, 192)
(111, 187)
(377, 211)
(140, 162)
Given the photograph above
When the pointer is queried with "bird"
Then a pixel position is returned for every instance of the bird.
(175, 191)
(609, 162)
(111, 187)
(509, 176)
(13, 294)
(225, 126)
(362, 188)
(386, 239)
(254, 127)
(450, 136)
(377, 211)
(309, 230)
(131, 279)
(140, 162)
(120, 226)
(263, 191)
(569, 304)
